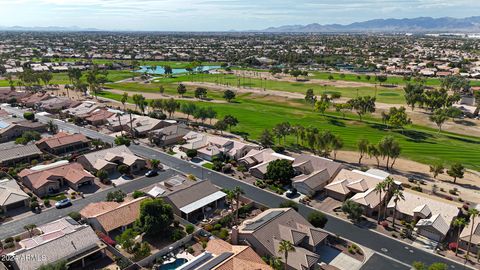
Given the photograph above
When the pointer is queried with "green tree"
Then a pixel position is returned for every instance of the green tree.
(102, 175)
(459, 223)
(353, 210)
(280, 170)
(30, 228)
(171, 106)
(437, 169)
(317, 219)
(220, 125)
(237, 192)
(231, 121)
(266, 139)
(123, 169)
(122, 140)
(201, 92)
(124, 99)
(188, 109)
(154, 163)
(61, 265)
(29, 116)
(397, 196)
(181, 89)
(439, 117)
(379, 188)
(390, 149)
(363, 105)
(362, 146)
(286, 247)
(456, 171)
(398, 118)
(156, 216)
(229, 95)
(374, 152)
(52, 127)
(310, 97)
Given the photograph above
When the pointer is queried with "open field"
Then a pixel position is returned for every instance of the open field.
(420, 144)
(384, 95)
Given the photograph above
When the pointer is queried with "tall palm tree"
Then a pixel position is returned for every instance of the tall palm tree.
(459, 223)
(237, 191)
(285, 247)
(397, 196)
(389, 182)
(275, 262)
(120, 123)
(473, 214)
(379, 188)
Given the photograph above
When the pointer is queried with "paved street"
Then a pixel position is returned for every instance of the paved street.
(373, 240)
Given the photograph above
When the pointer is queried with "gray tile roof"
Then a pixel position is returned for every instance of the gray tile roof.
(20, 151)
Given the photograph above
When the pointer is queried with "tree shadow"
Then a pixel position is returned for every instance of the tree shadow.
(336, 122)
(465, 123)
(416, 136)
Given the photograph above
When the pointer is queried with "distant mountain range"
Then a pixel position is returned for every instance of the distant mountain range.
(412, 25)
(47, 29)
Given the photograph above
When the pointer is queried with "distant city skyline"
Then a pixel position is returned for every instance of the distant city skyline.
(218, 15)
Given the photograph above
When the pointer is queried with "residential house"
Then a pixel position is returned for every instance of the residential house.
(265, 232)
(117, 124)
(11, 128)
(189, 199)
(475, 236)
(313, 173)
(109, 216)
(11, 154)
(81, 111)
(12, 196)
(433, 216)
(256, 161)
(142, 125)
(7, 95)
(61, 240)
(47, 179)
(221, 255)
(31, 101)
(99, 117)
(169, 135)
(64, 143)
(359, 184)
(209, 146)
(56, 104)
(109, 159)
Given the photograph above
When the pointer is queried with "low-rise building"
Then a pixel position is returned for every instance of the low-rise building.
(169, 135)
(11, 128)
(265, 232)
(471, 232)
(433, 216)
(109, 159)
(47, 179)
(12, 196)
(64, 143)
(109, 216)
(256, 161)
(56, 104)
(11, 154)
(313, 173)
(60, 240)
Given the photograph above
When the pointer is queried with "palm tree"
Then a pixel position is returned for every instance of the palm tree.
(473, 214)
(237, 191)
(459, 223)
(120, 123)
(285, 247)
(397, 196)
(379, 188)
(389, 182)
(275, 262)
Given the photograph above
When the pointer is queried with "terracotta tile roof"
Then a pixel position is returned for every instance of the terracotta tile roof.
(244, 257)
(95, 209)
(63, 139)
(125, 214)
(98, 115)
(72, 172)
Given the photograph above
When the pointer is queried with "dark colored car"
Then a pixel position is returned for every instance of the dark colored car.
(151, 173)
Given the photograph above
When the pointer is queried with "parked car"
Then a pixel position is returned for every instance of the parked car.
(63, 203)
(291, 193)
(151, 173)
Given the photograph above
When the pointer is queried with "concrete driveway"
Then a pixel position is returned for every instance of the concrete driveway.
(338, 259)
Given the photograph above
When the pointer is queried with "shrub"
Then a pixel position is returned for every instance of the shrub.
(406, 185)
(29, 116)
(350, 250)
(177, 234)
(189, 228)
(208, 227)
(190, 250)
(137, 194)
(278, 149)
(75, 216)
(102, 175)
(191, 153)
(18, 239)
(217, 226)
(47, 203)
(176, 223)
(394, 235)
(452, 246)
(223, 234)
(192, 177)
(317, 219)
(9, 245)
(384, 224)
(417, 188)
(453, 191)
(9, 240)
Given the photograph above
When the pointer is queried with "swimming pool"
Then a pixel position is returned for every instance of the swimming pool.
(173, 265)
(161, 70)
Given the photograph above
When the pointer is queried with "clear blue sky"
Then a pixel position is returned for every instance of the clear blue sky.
(210, 15)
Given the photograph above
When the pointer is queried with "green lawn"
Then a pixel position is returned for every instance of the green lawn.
(420, 144)
(173, 64)
(384, 95)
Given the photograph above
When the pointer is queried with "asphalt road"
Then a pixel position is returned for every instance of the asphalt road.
(397, 250)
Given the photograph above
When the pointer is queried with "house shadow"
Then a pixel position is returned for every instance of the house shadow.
(89, 189)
